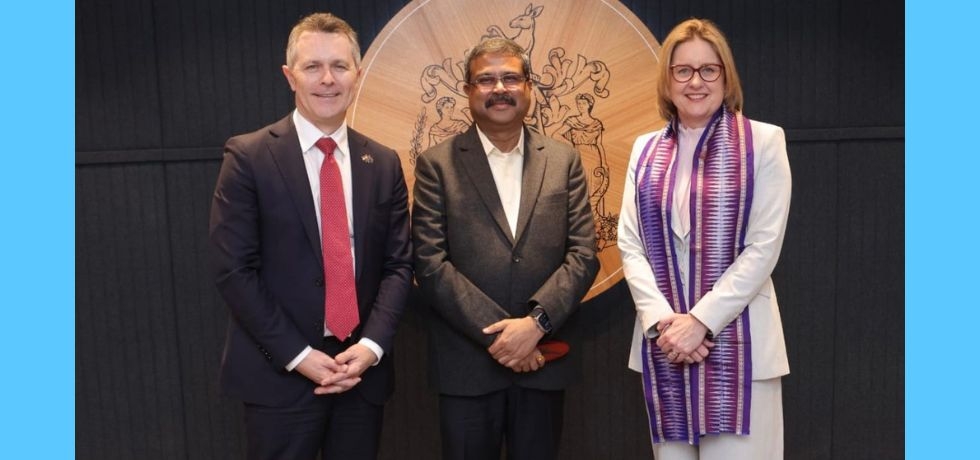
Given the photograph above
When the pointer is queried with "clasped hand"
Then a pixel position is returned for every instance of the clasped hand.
(683, 338)
(339, 373)
(516, 344)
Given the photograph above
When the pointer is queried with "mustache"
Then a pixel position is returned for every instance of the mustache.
(500, 97)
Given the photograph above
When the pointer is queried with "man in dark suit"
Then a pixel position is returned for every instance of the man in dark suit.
(310, 243)
(504, 252)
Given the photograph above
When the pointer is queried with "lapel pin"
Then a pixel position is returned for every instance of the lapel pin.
(367, 158)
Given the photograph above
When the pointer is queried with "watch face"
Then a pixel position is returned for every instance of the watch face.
(542, 319)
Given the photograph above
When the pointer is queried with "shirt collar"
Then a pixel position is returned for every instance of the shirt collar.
(489, 148)
(308, 134)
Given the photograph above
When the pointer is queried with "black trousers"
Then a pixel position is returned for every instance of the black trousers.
(528, 422)
(343, 426)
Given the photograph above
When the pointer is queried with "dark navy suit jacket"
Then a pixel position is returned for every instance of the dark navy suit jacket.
(267, 260)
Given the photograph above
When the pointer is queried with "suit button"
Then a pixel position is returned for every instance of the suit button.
(516, 259)
(268, 356)
(318, 282)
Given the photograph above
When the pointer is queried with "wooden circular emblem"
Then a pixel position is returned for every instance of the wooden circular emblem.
(593, 64)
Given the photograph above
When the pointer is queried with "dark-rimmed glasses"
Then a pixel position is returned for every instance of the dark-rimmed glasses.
(684, 73)
(509, 80)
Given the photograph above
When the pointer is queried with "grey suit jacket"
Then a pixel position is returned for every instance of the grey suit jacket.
(472, 272)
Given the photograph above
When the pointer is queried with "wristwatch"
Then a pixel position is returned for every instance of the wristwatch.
(540, 318)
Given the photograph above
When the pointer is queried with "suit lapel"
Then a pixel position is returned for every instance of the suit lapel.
(535, 163)
(364, 195)
(474, 161)
(285, 149)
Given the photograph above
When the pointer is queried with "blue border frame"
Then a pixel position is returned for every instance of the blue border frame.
(37, 202)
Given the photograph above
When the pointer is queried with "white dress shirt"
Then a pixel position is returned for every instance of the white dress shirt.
(508, 173)
(681, 213)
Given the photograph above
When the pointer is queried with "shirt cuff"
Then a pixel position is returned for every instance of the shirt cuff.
(373, 347)
(295, 362)
(653, 333)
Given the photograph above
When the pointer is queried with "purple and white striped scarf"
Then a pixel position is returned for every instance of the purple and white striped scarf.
(687, 401)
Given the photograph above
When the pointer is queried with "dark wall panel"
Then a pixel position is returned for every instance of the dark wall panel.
(116, 105)
(806, 287)
(128, 387)
(870, 318)
(220, 70)
(794, 78)
(872, 64)
(213, 426)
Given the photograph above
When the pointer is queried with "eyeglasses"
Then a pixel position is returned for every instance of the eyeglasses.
(684, 73)
(509, 80)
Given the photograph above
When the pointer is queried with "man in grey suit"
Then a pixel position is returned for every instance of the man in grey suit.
(504, 252)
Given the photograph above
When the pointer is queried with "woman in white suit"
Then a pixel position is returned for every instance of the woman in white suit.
(702, 223)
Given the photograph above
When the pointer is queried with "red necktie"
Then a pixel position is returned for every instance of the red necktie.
(338, 266)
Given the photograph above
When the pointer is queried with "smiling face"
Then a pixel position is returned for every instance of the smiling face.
(696, 100)
(498, 109)
(323, 74)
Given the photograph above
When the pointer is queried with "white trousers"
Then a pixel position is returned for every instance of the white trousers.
(765, 441)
